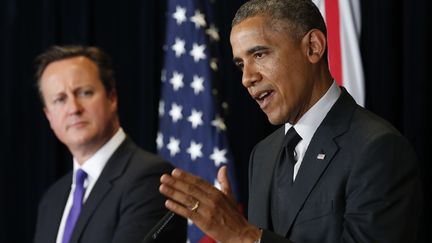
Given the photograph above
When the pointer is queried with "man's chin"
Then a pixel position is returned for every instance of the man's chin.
(78, 141)
(275, 120)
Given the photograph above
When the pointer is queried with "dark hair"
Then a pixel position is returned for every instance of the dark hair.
(56, 53)
(299, 15)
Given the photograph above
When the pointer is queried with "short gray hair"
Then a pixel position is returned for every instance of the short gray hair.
(299, 15)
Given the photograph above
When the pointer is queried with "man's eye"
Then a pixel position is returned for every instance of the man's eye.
(239, 65)
(85, 93)
(258, 54)
(59, 100)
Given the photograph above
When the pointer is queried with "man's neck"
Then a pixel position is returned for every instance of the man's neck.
(86, 151)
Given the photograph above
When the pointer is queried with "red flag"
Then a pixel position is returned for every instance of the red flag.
(343, 30)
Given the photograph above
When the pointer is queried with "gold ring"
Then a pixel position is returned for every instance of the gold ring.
(195, 207)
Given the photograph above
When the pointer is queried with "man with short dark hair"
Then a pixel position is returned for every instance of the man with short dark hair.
(112, 193)
(333, 172)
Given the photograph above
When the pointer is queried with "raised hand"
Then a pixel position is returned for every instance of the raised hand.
(212, 210)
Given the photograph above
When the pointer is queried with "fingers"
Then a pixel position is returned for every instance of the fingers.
(186, 184)
(181, 210)
(210, 209)
(188, 195)
(222, 177)
(186, 189)
(175, 194)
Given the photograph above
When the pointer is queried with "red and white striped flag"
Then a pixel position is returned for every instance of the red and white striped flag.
(343, 31)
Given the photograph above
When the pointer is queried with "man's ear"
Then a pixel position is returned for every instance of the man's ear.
(47, 114)
(316, 44)
(112, 96)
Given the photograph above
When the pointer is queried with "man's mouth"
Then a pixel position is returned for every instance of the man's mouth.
(263, 97)
(79, 124)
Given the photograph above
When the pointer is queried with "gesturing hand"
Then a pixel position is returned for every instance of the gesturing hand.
(213, 211)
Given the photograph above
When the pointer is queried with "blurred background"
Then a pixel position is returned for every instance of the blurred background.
(395, 47)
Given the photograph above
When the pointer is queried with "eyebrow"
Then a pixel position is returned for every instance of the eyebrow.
(251, 51)
(256, 48)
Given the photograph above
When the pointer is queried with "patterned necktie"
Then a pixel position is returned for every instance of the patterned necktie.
(283, 180)
(76, 206)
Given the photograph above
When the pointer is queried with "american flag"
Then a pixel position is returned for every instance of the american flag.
(192, 132)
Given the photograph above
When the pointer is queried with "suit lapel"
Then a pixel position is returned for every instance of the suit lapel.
(309, 174)
(313, 165)
(113, 169)
(264, 168)
(56, 207)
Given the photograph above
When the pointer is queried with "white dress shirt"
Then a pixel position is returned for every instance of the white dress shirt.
(310, 121)
(93, 167)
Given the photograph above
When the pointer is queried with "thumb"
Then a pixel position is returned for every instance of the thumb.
(222, 177)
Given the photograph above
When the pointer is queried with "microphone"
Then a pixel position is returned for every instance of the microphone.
(158, 228)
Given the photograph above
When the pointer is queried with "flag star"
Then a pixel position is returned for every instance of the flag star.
(174, 146)
(161, 108)
(159, 140)
(176, 112)
(177, 80)
(179, 15)
(195, 118)
(219, 123)
(213, 64)
(163, 75)
(213, 32)
(197, 52)
(218, 156)
(198, 19)
(225, 105)
(197, 84)
(179, 47)
(195, 150)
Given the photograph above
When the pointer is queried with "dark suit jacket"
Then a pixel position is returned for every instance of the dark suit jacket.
(366, 189)
(122, 207)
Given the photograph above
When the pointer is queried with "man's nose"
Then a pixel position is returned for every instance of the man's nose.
(74, 105)
(250, 75)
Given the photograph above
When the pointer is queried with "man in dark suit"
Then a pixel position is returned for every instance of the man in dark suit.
(112, 193)
(334, 172)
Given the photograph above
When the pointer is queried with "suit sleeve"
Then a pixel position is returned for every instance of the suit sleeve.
(383, 195)
(271, 237)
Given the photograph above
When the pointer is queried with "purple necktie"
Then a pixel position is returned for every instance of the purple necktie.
(76, 206)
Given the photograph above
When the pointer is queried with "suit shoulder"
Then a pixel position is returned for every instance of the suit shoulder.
(145, 161)
(369, 125)
(275, 136)
(57, 188)
(370, 136)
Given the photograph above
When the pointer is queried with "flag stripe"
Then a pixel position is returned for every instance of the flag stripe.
(334, 46)
(351, 57)
(343, 31)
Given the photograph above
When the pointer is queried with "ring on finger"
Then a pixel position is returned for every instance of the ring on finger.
(194, 208)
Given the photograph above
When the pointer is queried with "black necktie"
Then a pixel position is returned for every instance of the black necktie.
(283, 178)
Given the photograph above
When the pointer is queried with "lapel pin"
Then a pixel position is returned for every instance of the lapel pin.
(321, 156)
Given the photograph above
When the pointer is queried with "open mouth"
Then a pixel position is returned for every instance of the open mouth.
(263, 98)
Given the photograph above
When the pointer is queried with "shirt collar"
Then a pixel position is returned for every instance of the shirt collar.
(309, 122)
(95, 164)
